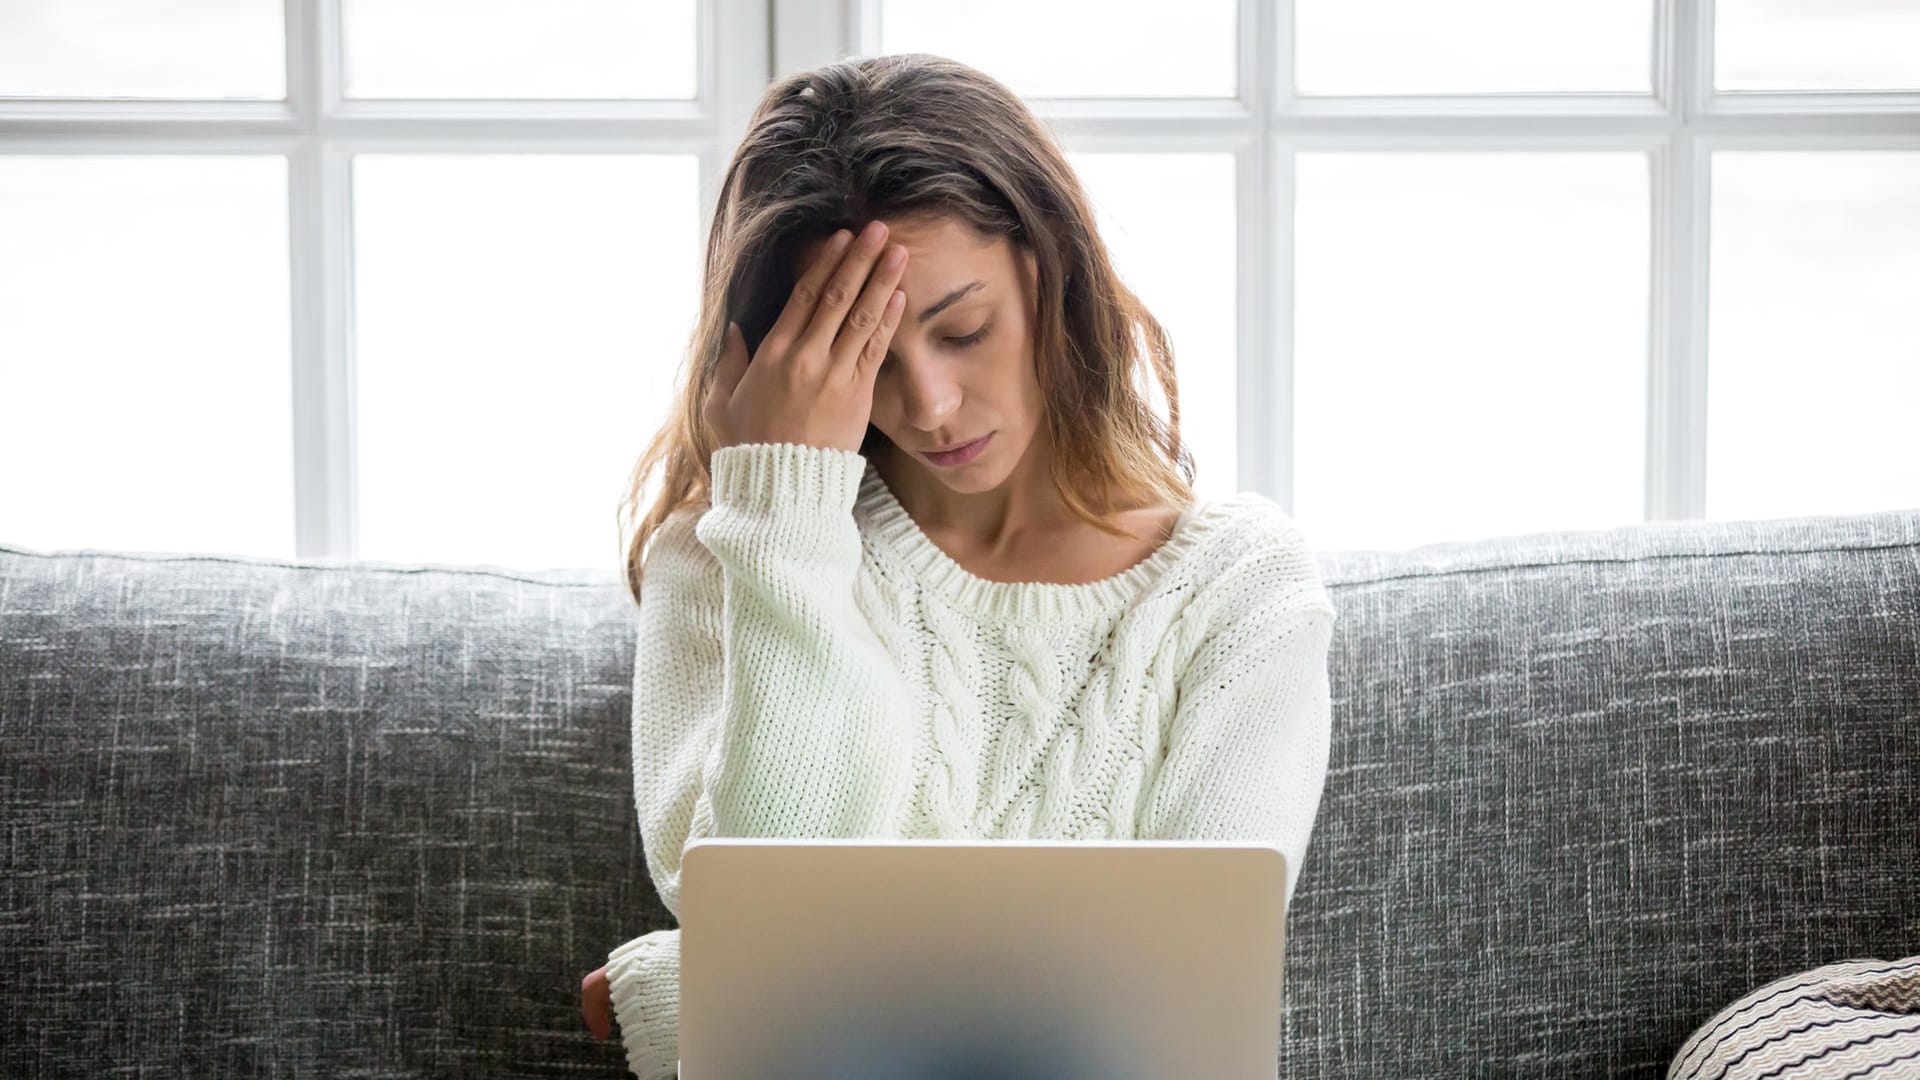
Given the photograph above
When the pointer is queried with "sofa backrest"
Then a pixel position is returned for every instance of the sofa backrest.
(269, 819)
(1585, 788)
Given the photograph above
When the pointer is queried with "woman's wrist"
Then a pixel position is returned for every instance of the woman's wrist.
(783, 478)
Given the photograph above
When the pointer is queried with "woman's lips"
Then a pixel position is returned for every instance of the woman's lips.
(962, 455)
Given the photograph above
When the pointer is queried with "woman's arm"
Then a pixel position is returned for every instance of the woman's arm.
(1246, 751)
(763, 703)
(817, 732)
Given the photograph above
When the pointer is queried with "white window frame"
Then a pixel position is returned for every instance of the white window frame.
(1679, 127)
(318, 131)
(744, 43)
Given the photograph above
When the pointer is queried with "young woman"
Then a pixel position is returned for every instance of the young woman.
(924, 561)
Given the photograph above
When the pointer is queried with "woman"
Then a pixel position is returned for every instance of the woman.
(924, 562)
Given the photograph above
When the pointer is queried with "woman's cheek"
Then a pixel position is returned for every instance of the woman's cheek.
(886, 408)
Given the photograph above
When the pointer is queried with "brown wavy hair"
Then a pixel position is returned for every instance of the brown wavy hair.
(916, 134)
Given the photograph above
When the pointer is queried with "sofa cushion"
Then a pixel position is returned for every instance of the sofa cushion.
(304, 819)
(1587, 787)
(290, 818)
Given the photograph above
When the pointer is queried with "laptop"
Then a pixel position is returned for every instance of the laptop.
(975, 959)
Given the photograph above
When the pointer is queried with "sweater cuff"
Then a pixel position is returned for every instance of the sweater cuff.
(644, 977)
(786, 477)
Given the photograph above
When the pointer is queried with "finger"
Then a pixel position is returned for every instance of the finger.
(837, 297)
(869, 311)
(875, 352)
(734, 360)
(728, 373)
(798, 312)
(596, 1000)
(598, 1020)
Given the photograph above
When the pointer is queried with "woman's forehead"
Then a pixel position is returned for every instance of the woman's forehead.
(945, 242)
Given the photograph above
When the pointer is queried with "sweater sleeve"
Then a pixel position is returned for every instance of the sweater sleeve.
(763, 703)
(1245, 756)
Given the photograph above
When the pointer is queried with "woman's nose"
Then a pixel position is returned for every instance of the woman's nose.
(928, 395)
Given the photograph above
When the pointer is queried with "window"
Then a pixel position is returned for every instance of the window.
(403, 280)
(411, 279)
(1486, 253)
(144, 340)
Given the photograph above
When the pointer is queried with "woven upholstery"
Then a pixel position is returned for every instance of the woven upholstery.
(281, 819)
(1586, 789)
(266, 820)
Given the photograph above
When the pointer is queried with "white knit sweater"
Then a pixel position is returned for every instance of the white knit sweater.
(810, 664)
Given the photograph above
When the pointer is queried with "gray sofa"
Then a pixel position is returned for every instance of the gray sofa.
(280, 819)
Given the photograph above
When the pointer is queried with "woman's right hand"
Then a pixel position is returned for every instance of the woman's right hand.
(812, 380)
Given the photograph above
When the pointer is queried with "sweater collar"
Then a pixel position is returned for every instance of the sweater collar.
(897, 536)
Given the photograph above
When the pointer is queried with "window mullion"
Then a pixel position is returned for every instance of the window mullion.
(1677, 375)
(807, 33)
(1263, 390)
(737, 48)
(318, 217)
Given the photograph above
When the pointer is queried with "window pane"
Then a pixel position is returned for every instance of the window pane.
(1470, 344)
(1472, 47)
(1182, 267)
(1813, 367)
(519, 325)
(139, 49)
(1817, 45)
(1133, 48)
(519, 48)
(144, 382)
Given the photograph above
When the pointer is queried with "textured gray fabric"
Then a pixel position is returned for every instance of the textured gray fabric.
(286, 819)
(1585, 789)
(266, 820)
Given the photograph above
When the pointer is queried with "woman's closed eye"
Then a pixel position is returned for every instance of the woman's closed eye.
(973, 338)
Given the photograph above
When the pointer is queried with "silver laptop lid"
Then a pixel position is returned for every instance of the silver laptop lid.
(950, 959)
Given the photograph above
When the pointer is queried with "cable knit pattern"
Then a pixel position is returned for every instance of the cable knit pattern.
(809, 663)
(952, 790)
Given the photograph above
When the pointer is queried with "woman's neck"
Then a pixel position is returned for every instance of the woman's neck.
(1024, 504)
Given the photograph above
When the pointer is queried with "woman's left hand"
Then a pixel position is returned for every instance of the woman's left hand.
(596, 1003)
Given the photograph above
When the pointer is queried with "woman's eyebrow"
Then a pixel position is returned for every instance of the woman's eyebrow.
(949, 300)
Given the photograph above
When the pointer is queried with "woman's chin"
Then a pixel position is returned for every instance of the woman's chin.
(967, 482)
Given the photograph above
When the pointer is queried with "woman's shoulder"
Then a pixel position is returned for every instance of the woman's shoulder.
(1256, 556)
(675, 551)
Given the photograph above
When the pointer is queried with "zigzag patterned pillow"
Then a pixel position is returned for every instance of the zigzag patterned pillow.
(1857, 1019)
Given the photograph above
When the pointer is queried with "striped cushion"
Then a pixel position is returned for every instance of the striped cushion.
(1857, 1019)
